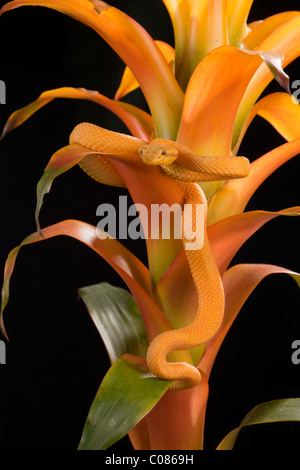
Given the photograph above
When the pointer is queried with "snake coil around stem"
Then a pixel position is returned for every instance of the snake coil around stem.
(187, 168)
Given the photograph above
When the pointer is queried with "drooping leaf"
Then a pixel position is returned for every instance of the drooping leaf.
(134, 119)
(117, 318)
(239, 282)
(228, 235)
(126, 395)
(225, 237)
(130, 268)
(62, 161)
(274, 411)
(284, 39)
(274, 60)
(235, 195)
(263, 28)
(135, 47)
(96, 165)
(281, 111)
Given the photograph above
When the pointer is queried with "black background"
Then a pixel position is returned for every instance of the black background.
(55, 358)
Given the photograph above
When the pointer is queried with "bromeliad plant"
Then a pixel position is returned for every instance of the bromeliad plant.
(202, 96)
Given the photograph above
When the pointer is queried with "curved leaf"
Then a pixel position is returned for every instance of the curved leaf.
(274, 61)
(274, 411)
(127, 393)
(239, 282)
(281, 111)
(227, 236)
(135, 47)
(117, 319)
(62, 161)
(286, 40)
(260, 31)
(130, 268)
(235, 195)
(128, 116)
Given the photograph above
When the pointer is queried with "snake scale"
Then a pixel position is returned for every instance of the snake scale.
(187, 168)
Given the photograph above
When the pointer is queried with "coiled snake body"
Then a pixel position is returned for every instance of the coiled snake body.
(187, 168)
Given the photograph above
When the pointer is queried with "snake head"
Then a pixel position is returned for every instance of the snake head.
(158, 153)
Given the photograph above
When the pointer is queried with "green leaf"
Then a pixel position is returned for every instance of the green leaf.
(127, 393)
(62, 161)
(117, 318)
(269, 412)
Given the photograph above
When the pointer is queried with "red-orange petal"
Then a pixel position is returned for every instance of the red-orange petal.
(228, 235)
(129, 116)
(135, 47)
(281, 111)
(235, 195)
(263, 28)
(130, 268)
(239, 282)
(286, 40)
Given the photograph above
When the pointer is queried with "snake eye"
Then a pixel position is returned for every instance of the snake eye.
(164, 152)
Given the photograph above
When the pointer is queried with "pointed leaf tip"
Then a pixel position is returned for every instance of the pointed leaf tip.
(127, 393)
(274, 60)
(274, 411)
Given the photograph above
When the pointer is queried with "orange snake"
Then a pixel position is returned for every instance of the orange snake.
(180, 163)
